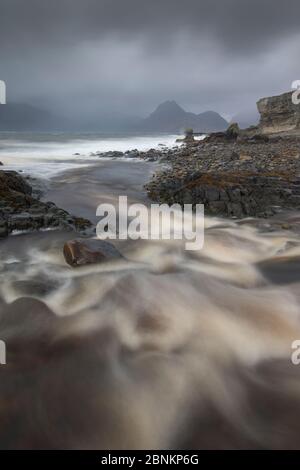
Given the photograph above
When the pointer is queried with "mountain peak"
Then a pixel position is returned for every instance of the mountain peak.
(169, 107)
(170, 117)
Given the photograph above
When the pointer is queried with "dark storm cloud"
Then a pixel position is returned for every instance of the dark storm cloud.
(237, 23)
(220, 54)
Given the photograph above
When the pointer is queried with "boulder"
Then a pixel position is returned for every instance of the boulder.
(189, 135)
(80, 252)
(233, 131)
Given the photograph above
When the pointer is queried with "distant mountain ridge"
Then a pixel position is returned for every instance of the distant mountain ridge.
(24, 117)
(21, 117)
(170, 117)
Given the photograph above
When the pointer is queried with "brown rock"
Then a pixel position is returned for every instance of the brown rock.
(80, 252)
(245, 158)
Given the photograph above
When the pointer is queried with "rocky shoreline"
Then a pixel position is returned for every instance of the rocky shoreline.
(22, 210)
(238, 173)
(237, 177)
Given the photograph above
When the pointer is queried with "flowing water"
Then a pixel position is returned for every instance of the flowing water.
(166, 348)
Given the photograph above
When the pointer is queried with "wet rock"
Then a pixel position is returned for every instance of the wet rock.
(212, 194)
(3, 228)
(20, 211)
(11, 180)
(253, 178)
(234, 156)
(189, 136)
(235, 209)
(112, 154)
(132, 154)
(80, 252)
(217, 207)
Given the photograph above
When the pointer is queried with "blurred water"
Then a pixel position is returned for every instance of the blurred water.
(164, 349)
(46, 155)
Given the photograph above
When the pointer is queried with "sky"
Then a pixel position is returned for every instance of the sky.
(79, 57)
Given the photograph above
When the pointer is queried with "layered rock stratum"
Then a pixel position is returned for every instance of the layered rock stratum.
(279, 114)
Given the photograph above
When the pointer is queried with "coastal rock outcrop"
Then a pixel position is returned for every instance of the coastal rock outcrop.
(278, 114)
(235, 195)
(233, 178)
(20, 211)
(233, 131)
(239, 173)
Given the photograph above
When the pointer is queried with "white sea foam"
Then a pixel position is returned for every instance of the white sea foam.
(46, 156)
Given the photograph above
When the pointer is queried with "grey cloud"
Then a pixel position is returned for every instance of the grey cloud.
(128, 55)
(237, 24)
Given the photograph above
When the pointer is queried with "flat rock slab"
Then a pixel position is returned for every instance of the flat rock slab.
(80, 252)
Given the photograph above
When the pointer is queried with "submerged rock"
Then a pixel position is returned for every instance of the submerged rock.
(109, 154)
(81, 252)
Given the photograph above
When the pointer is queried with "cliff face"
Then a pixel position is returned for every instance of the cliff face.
(278, 114)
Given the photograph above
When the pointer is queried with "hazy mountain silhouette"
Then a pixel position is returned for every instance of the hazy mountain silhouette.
(24, 117)
(170, 117)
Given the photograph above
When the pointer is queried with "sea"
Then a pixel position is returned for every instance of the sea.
(47, 154)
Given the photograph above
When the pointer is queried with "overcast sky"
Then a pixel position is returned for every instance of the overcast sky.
(127, 56)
